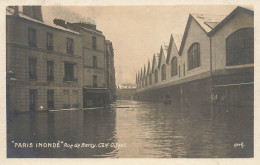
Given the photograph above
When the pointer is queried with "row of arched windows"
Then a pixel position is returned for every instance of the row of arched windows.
(239, 50)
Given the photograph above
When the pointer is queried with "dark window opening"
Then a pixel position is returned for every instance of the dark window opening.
(32, 37)
(33, 99)
(194, 56)
(69, 72)
(32, 69)
(49, 41)
(94, 42)
(156, 76)
(50, 99)
(150, 79)
(66, 99)
(94, 81)
(70, 46)
(179, 71)
(174, 66)
(50, 70)
(240, 47)
(94, 61)
(163, 72)
(183, 69)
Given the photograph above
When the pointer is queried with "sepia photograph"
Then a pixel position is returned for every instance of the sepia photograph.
(133, 81)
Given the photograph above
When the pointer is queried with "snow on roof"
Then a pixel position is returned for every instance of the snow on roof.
(208, 21)
(9, 11)
(177, 39)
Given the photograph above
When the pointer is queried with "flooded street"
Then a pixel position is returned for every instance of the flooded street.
(134, 129)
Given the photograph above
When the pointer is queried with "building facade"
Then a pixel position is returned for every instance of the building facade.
(215, 61)
(111, 79)
(49, 66)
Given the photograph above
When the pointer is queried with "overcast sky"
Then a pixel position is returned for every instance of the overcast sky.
(137, 32)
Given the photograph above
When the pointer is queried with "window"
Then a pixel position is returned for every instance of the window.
(94, 81)
(240, 47)
(69, 72)
(75, 103)
(146, 81)
(183, 69)
(65, 99)
(150, 79)
(194, 56)
(32, 69)
(94, 61)
(32, 37)
(174, 66)
(50, 99)
(179, 71)
(70, 46)
(49, 41)
(163, 72)
(94, 42)
(156, 76)
(32, 99)
(50, 70)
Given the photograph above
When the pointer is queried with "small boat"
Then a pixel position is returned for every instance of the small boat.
(167, 99)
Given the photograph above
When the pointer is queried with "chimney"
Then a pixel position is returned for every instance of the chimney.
(16, 12)
(60, 22)
(33, 12)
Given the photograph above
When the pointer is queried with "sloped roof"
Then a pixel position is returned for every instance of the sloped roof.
(208, 21)
(144, 74)
(148, 68)
(169, 49)
(177, 40)
(211, 23)
(171, 45)
(46, 23)
(247, 10)
(160, 57)
(154, 64)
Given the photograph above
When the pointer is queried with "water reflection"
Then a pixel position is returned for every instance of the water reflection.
(146, 130)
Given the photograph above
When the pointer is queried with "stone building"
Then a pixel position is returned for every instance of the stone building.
(111, 80)
(215, 61)
(95, 87)
(46, 61)
(53, 67)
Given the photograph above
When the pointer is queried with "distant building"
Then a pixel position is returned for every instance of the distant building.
(53, 67)
(214, 64)
(125, 94)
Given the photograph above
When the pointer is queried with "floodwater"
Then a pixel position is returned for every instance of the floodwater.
(133, 129)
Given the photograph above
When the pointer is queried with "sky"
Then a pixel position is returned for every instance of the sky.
(137, 32)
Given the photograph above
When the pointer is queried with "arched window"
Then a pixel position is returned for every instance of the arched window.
(156, 76)
(143, 83)
(194, 56)
(146, 81)
(150, 79)
(174, 66)
(240, 47)
(163, 72)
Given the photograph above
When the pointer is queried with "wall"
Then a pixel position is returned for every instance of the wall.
(241, 20)
(196, 34)
(88, 53)
(18, 54)
(19, 34)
